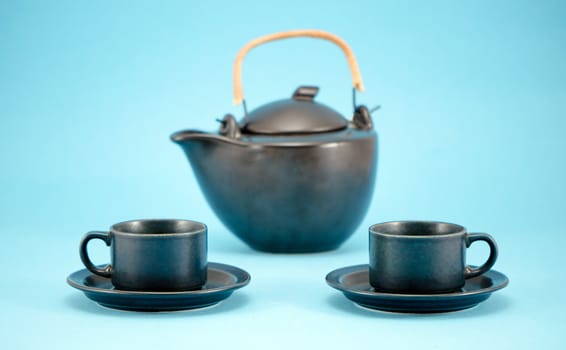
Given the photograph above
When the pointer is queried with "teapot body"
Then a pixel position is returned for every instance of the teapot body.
(291, 194)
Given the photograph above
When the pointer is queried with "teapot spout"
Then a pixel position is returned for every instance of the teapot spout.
(189, 136)
(229, 131)
(199, 146)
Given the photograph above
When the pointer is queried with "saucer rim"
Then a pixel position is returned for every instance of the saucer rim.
(242, 279)
(332, 279)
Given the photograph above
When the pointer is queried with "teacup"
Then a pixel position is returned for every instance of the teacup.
(423, 256)
(153, 255)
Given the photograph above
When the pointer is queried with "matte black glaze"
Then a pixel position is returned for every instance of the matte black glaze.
(303, 192)
(297, 115)
(221, 283)
(422, 256)
(153, 255)
(353, 281)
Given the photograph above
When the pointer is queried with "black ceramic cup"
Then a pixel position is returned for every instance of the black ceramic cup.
(153, 255)
(423, 256)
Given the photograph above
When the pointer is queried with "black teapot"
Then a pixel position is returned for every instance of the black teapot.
(292, 176)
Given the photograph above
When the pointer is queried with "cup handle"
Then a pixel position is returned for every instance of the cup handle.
(106, 271)
(493, 251)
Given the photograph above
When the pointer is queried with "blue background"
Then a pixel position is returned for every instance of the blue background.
(472, 130)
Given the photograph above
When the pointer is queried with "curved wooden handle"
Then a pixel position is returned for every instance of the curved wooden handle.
(311, 33)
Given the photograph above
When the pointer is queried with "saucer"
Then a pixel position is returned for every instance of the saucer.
(353, 281)
(222, 280)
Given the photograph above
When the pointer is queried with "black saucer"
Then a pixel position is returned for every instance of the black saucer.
(222, 281)
(353, 281)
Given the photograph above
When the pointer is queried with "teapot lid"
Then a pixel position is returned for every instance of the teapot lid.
(297, 115)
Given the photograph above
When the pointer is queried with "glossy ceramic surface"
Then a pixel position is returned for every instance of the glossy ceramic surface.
(221, 283)
(353, 281)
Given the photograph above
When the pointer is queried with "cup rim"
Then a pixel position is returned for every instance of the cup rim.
(458, 229)
(201, 227)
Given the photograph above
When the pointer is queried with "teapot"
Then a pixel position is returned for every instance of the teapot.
(294, 175)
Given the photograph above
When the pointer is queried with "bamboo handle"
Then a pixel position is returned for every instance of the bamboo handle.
(311, 33)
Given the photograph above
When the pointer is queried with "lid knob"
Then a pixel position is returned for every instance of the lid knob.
(305, 93)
